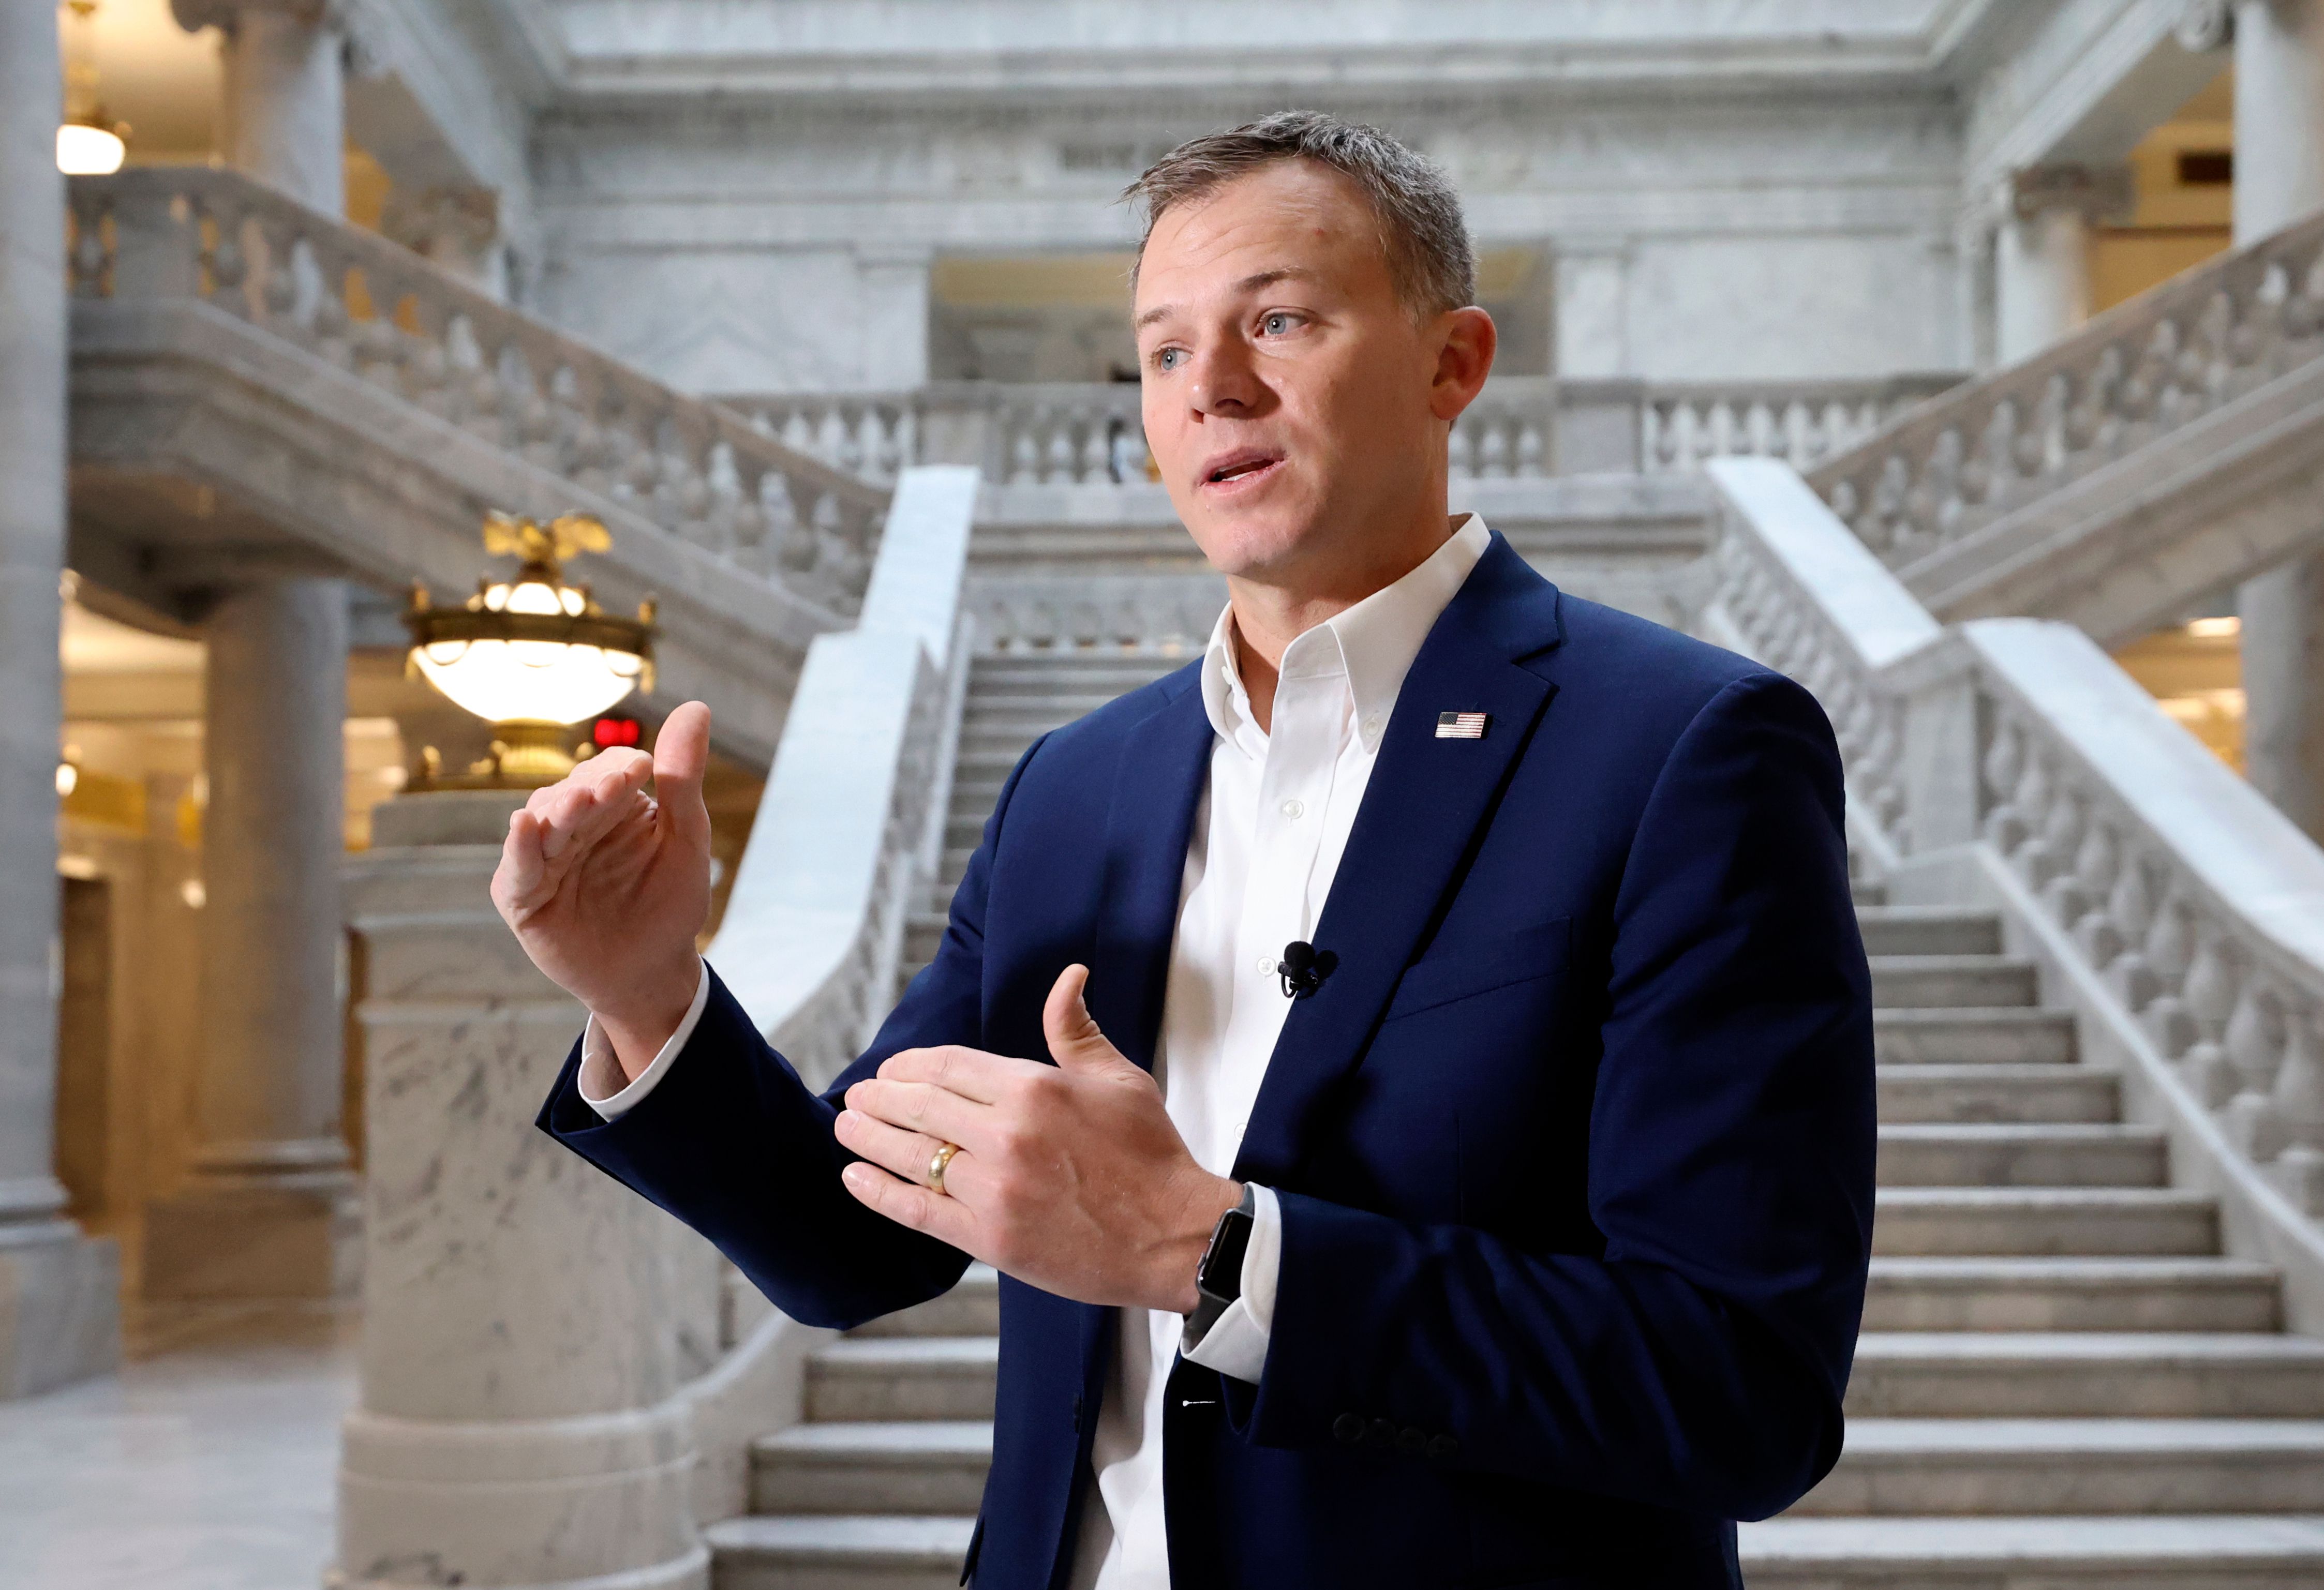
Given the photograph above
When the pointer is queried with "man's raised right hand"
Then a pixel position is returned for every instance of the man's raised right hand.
(607, 886)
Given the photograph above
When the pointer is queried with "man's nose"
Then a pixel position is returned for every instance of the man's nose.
(1225, 383)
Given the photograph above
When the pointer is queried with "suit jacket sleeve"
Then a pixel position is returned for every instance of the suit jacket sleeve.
(734, 1144)
(1698, 1363)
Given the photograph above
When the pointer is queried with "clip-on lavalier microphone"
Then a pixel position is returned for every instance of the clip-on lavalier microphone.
(1303, 968)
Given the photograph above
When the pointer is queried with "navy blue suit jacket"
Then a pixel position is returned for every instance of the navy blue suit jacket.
(1575, 1148)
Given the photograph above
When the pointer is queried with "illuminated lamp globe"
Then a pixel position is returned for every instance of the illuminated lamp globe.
(532, 655)
(86, 150)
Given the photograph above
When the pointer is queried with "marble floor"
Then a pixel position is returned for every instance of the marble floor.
(208, 1463)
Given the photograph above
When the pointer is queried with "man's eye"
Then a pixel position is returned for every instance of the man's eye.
(1276, 325)
(1168, 358)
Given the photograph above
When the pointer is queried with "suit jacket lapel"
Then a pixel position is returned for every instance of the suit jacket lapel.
(1423, 809)
(1166, 764)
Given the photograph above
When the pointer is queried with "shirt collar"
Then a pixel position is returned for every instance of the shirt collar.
(1371, 643)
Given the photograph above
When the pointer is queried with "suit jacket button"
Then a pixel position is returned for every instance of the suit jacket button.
(1442, 1448)
(1349, 1429)
(1381, 1436)
(1412, 1443)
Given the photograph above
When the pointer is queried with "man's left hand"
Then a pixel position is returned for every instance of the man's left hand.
(1070, 1177)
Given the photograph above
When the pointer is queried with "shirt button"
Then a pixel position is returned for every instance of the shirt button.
(1294, 809)
(1265, 964)
(1372, 724)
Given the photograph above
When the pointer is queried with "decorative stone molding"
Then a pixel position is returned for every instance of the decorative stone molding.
(2202, 26)
(2096, 193)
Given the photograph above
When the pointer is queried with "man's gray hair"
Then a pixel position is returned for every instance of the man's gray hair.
(1430, 261)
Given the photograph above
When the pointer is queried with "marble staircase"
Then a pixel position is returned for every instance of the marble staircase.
(2064, 1382)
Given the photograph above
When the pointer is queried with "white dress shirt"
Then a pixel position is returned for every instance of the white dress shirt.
(1265, 844)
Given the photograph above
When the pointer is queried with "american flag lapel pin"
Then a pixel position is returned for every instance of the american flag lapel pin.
(1462, 725)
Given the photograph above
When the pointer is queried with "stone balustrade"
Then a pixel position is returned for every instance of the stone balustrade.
(1805, 424)
(1164, 613)
(2181, 912)
(850, 828)
(381, 312)
(1520, 427)
(1960, 468)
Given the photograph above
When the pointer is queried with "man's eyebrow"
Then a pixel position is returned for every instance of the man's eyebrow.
(1251, 283)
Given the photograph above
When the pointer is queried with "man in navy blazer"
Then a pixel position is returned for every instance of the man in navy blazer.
(1561, 1171)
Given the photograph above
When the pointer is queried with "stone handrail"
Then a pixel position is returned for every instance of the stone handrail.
(849, 827)
(1955, 468)
(1520, 427)
(2184, 913)
(393, 318)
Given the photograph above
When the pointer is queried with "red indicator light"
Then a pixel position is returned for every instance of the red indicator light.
(613, 731)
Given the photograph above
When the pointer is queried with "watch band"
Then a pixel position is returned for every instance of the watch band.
(1218, 1279)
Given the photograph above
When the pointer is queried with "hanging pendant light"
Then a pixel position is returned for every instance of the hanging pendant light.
(89, 144)
(532, 655)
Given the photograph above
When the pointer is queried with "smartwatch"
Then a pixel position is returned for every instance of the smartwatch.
(1218, 1278)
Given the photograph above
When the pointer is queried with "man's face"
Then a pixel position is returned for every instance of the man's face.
(1295, 409)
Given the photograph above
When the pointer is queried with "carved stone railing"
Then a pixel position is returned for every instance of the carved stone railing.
(1164, 613)
(1520, 427)
(851, 823)
(1960, 491)
(381, 312)
(1804, 423)
(2176, 908)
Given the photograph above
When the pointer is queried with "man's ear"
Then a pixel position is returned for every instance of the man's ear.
(1464, 357)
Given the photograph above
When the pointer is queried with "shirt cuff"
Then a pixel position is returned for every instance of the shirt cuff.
(600, 1078)
(1236, 1343)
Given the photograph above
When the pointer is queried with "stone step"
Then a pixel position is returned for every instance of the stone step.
(1919, 981)
(1928, 930)
(920, 1465)
(1951, 1154)
(2004, 1036)
(923, 930)
(1963, 1375)
(845, 1552)
(1918, 1466)
(2058, 1294)
(2027, 1220)
(2223, 1551)
(1081, 671)
(2024, 1093)
(1866, 892)
(972, 1308)
(902, 1377)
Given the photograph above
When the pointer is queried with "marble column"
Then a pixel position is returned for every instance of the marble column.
(58, 1289)
(269, 1208)
(283, 110)
(528, 1322)
(2041, 257)
(2280, 180)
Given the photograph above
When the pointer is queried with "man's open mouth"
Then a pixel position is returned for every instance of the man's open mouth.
(1240, 466)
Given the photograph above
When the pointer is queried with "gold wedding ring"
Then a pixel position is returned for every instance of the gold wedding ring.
(936, 1166)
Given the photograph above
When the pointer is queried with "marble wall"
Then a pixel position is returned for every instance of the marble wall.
(1716, 234)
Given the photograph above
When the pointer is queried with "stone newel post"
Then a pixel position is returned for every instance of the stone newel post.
(528, 1322)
